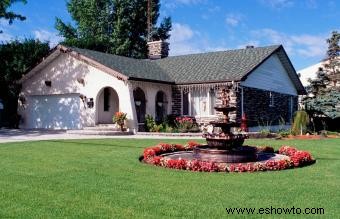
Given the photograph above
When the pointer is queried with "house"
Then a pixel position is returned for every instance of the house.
(74, 88)
(310, 72)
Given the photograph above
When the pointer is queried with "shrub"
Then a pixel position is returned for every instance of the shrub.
(284, 133)
(301, 120)
(149, 123)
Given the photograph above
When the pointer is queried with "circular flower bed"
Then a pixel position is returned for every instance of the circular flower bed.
(293, 158)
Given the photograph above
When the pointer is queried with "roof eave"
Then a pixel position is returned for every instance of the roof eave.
(151, 80)
(208, 82)
(53, 54)
(56, 51)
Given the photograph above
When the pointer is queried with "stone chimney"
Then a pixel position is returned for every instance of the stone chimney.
(158, 49)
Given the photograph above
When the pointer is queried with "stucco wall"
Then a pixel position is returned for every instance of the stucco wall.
(64, 73)
(150, 91)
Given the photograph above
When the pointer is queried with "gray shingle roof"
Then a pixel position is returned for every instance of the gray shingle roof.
(133, 68)
(231, 65)
(214, 66)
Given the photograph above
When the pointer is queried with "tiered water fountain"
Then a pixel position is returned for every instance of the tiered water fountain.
(222, 144)
(224, 151)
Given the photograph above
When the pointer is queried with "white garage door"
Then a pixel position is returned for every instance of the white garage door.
(54, 112)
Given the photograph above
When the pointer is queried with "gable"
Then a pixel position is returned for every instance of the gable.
(69, 74)
(272, 76)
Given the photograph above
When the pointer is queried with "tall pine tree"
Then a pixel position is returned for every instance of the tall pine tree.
(332, 66)
(113, 26)
(324, 91)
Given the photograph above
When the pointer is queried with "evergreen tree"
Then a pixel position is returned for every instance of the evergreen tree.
(9, 15)
(320, 84)
(113, 26)
(324, 91)
(332, 66)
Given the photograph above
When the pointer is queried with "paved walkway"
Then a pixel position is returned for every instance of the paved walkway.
(17, 135)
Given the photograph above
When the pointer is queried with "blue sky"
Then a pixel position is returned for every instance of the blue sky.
(302, 26)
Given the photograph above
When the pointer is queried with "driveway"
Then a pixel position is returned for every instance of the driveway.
(17, 135)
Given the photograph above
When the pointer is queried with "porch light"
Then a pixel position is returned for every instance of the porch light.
(138, 102)
(90, 103)
(160, 104)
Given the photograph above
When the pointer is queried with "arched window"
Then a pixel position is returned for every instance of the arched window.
(161, 106)
(140, 104)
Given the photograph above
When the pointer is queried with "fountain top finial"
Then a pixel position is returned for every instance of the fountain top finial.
(225, 97)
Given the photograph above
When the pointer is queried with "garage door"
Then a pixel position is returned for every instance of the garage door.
(54, 112)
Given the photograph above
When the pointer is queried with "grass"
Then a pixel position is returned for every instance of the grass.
(103, 178)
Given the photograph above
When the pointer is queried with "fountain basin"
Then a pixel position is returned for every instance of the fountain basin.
(235, 155)
(226, 142)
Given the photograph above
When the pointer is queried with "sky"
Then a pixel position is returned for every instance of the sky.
(301, 26)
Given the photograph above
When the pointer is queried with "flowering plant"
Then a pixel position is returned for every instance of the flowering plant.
(119, 118)
(185, 123)
(295, 158)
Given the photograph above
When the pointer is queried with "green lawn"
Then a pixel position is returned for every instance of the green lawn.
(103, 178)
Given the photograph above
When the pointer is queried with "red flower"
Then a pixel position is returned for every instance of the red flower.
(191, 145)
(156, 160)
(295, 158)
(232, 168)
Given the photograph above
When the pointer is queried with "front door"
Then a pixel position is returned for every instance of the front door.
(108, 105)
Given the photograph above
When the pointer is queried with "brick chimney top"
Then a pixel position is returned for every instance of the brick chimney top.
(158, 49)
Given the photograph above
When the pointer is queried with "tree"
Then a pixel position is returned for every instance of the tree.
(332, 67)
(118, 27)
(324, 91)
(9, 15)
(16, 58)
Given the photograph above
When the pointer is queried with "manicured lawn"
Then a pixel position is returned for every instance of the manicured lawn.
(103, 178)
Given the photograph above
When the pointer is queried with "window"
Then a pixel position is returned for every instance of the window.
(199, 102)
(185, 103)
(271, 99)
(106, 99)
(212, 97)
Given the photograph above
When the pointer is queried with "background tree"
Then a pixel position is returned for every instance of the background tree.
(113, 26)
(9, 15)
(16, 58)
(323, 99)
(332, 66)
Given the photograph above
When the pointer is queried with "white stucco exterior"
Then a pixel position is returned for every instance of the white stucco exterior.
(271, 76)
(60, 106)
(150, 91)
(65, 72)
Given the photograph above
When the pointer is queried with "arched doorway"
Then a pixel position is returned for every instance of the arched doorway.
(161, 106)
(140, 105)
(107, 105)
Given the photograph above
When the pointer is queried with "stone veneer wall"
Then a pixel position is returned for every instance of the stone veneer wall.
(257, 109)
(176, 108)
